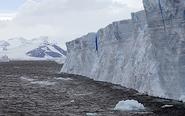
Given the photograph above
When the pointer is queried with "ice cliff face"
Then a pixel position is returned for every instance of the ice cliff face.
(146, 53)
(81, 55)
(166, 24)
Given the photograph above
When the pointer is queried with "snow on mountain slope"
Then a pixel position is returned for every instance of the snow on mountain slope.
(3, 45)
(35, 49)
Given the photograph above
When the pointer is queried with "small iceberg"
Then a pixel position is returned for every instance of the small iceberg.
(91, 114)
(64, 79)
(24, 78)
(129, 105)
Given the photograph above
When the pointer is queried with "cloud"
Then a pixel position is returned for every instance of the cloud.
(66, 19)
(7, 16)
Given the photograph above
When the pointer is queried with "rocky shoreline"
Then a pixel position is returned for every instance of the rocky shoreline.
(35, 88)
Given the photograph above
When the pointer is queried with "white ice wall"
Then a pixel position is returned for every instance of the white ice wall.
(166, 25)
(145, 53)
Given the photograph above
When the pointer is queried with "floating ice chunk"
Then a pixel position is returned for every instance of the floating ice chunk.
(64, 79)
(26, 78)
(46, 83)
(167, 106)
(72, 101)
(129, 105)
(91, 114)
(83, 94)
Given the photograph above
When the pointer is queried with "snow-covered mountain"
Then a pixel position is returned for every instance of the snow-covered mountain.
(36, 49)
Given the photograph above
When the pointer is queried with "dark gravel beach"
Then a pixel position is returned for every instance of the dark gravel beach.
(35, 88)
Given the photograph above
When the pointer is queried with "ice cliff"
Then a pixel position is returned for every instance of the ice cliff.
(146, 53)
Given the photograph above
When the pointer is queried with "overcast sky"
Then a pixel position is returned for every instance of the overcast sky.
(62, 20)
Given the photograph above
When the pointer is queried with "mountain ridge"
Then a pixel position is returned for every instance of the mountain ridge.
(35, 49)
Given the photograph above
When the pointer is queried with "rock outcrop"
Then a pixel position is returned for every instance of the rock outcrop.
(146, 53)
